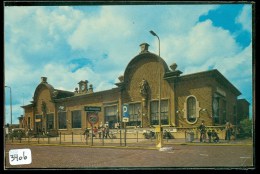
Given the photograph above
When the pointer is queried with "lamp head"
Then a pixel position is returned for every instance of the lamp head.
(153, 33)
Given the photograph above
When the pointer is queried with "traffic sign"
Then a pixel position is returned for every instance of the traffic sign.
(125, 111)
(92, 108)
(125, 119)
(93, 117)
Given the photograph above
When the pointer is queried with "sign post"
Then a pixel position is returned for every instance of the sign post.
(125, 117)
(93, 119)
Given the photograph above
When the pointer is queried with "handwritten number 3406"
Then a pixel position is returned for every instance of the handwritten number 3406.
(15, 157)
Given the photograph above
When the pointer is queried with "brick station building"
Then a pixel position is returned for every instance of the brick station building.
(186, 100)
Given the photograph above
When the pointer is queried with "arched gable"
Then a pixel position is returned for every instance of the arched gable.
(141, 57)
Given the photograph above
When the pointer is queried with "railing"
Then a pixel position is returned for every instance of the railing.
(117, 137)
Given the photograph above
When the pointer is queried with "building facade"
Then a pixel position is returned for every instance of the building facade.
(147, 83)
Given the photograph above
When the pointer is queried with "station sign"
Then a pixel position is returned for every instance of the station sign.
(92, 108)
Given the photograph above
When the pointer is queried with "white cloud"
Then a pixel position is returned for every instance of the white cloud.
(202, 45)
(245, 18)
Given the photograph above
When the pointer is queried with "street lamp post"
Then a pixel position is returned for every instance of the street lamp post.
(10, 103)
(160, 137)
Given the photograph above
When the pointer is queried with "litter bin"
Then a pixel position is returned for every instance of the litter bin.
(189, 136)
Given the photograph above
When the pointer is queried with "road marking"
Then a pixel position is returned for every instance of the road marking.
(204, 154)
(245, 159)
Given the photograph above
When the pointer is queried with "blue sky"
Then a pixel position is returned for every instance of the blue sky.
(68, 44)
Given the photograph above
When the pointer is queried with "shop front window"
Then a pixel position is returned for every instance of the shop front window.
(76, 119)
(111, 116)
(62, 119)
(38, 123)
(155, 112)
(134, 115)
(49, 121)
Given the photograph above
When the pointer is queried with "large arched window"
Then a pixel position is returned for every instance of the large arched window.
(191, 109)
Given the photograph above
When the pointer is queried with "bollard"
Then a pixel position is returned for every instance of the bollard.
(71, 137)
(60, 137)
(137, 135)
(103, 139)
(120, 138)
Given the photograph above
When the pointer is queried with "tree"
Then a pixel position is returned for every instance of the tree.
(245, 128)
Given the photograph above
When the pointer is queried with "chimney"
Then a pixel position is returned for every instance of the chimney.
(144, 47)
(90, 90)
(44, 79)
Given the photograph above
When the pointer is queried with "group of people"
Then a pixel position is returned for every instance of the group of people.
(212, 135)
(100, 132)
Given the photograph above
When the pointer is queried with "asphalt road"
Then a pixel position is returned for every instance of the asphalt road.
(182, 156)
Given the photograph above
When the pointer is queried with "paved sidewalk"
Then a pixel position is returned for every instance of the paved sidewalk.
(138, 143)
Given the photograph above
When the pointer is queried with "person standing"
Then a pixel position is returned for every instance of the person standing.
(95, 131)
(228, 131)
(209, 135)
(202, 129)
(107, 132)
(103, 129)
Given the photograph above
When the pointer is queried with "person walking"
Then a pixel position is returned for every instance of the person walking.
(86, 133)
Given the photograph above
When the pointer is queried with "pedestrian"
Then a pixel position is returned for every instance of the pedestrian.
(228, 131)
(107, 132)
(99, 132)
(209, 135)
(86, 133)
(215, 136)
(202, 129)
(103, 129)
(95, 131)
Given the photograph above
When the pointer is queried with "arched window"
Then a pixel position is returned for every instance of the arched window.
(191, 109)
